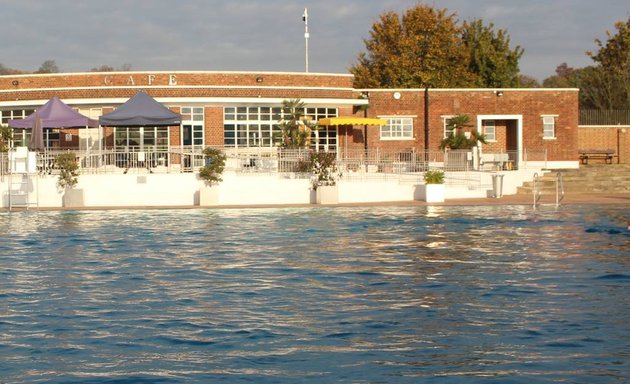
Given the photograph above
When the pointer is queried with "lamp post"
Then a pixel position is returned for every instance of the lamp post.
(306, 36)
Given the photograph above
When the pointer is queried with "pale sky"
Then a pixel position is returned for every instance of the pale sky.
(268, 35)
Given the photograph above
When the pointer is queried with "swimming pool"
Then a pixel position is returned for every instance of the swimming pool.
(283, 295)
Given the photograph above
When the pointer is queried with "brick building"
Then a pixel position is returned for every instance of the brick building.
(605, 130)
(242, 109)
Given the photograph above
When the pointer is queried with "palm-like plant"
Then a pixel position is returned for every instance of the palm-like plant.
(458, 139)
(295, 128)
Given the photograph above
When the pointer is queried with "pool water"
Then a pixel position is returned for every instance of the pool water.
(362, 295)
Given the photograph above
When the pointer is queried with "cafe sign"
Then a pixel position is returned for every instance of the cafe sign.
(130, 80)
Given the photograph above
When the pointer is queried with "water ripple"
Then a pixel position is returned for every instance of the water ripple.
(378, 294)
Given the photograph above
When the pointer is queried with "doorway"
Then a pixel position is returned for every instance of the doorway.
(504, 134)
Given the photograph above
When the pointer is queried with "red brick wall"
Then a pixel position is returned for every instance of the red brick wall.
(500, 133)
(382, 103)
(126, 84)
(530, 104)
(615, 138)
(213, 129)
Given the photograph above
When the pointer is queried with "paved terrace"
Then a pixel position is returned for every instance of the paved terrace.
(569, 199)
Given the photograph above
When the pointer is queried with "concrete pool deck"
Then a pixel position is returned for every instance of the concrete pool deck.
(578, 198)
(593, 198)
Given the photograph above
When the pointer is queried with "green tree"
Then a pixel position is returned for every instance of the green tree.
(612, 72)
(600, 89)
(491, 58)
(48, 66)
(423, 47)
(103, 68)
(295, 127)
(214, 166)
(8, 71)
(565, 77)
(109, 68)
(525, 81)
(6, 134)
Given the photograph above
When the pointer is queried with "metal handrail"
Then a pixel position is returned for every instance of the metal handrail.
(559, 188)
(536, 189)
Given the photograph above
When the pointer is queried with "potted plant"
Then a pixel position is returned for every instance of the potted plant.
(433, 189)
(68, 178)
(324, 167)
(211, 174)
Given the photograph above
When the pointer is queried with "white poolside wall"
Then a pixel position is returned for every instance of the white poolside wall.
(182, 189)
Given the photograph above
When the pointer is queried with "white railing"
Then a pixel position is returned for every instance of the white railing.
(4, 165)
(460, 166)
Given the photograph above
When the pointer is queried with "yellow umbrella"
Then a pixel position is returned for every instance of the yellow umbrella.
(350, 120)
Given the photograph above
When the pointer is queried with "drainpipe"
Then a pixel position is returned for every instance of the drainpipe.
(427, 146)
(618, 147)
(365, 143)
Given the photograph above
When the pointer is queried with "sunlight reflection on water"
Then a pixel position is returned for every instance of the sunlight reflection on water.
(389, 294)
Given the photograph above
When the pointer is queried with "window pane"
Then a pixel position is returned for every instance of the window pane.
(241, 113)
(548, 126)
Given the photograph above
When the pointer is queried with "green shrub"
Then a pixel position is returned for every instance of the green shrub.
(434, 177)
(324, 166)
(68, 170)
(214, 166)
(5, 137)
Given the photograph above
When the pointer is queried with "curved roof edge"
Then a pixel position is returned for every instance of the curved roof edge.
(179, 71)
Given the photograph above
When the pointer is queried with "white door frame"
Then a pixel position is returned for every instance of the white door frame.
(519, 130)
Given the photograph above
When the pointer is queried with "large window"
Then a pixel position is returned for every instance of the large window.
(549, 127)
(134, 139)
(489, 130)
(397, 128)
(92, 113)
(192, 126)
(21, 137)
(249, 126)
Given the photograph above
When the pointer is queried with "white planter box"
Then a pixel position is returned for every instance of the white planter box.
(432, 193)
(73, 198)
(328, 194)
(208, 196)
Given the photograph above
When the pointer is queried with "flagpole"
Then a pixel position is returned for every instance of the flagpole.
(306, 36)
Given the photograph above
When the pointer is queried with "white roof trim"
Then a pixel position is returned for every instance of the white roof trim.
(189, 101)
(611, 126)
(468, 89)
(148, 87)
(179, 73)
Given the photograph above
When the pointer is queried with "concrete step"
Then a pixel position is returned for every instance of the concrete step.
(529, 191)
(604, 178)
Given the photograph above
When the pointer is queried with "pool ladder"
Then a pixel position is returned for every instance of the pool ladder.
(559, 189)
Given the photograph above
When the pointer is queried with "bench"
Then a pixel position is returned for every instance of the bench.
(606, 154)
(498, 161)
